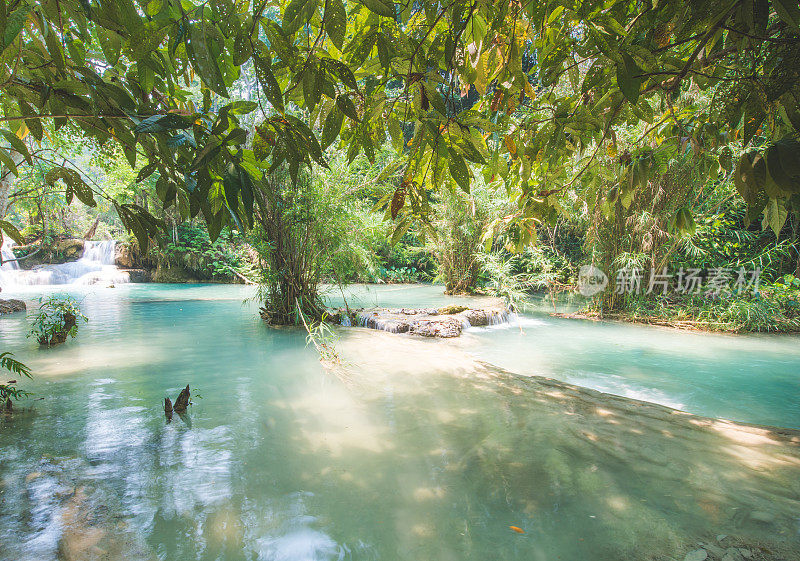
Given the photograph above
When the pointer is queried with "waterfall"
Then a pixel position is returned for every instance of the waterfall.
(96, 266)
(9, 256)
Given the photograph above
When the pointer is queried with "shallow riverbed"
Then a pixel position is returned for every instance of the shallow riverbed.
(415, 449)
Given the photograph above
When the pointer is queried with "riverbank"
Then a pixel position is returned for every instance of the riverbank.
(740, 319)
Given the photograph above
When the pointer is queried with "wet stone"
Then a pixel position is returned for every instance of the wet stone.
(11, 306)
(696, 555)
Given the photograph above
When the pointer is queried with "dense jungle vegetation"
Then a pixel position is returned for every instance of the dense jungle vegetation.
(493, 147)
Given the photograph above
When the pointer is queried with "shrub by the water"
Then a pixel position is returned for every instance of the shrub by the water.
(56, 320)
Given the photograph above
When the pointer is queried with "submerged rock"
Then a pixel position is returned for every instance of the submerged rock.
(444, 322)
(696, 555)
(11, 306)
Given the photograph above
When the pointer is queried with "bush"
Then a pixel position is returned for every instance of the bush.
(193, 251)
(56, 320)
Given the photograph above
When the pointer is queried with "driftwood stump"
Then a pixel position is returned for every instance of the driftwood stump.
(183, 400)
(168, 408)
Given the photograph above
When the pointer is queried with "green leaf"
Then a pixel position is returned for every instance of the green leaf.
(336, 22)
(8, 161)
(242, 107)
(783, 165)
(346, 106)
(396, 132)
(332, 127)
(459, 170)
(628, 78)
(146, 171)
(14, 24)
(74, 182)
(774, 216)
(269, 84)
(726, 159)
(166, 191)
(684, 222)
(297, 13)
(380, 7)
(232, 183)
(110, 44)
(34, 124)
(343, 72)
(18, 145)
(750, 175)
(788, 11)
(248, 195)
(401, 230)
(205, 61)
(12, 231)
(161, 123)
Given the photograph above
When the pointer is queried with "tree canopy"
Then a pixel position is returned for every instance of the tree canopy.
(531, 94)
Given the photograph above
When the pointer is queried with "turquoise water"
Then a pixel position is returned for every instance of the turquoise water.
(413, 450)
(746, 378)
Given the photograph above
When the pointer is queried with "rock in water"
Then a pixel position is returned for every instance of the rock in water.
(183, 400)
(452, 309)
(696, 555)
(168, 408)
(11, 306)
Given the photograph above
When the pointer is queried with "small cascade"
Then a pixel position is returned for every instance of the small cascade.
(96, 266)
(374, 320)
(428, 322)
(9, 259)
(485, 318)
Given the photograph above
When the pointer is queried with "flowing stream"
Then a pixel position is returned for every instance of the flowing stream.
(95, 266)
(414, 449)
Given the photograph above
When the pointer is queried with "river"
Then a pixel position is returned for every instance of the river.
(414, 449)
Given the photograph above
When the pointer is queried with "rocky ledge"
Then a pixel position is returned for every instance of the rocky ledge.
(11, 306)
(427, 322)
(137, 275)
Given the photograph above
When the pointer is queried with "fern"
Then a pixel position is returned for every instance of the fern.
(9, 391)
(8, 362)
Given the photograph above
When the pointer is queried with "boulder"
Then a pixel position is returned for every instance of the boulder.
(479, 318)
(11, 306)
(137, 275)
(69, 249)
(444, 327)
(124, 257)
